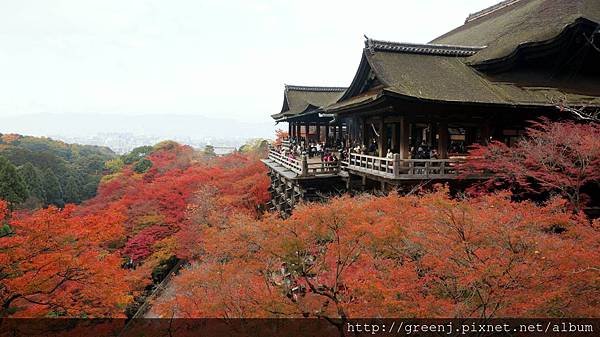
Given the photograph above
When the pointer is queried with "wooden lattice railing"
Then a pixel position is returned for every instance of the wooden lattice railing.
(390, 168)
(396, 168)
(287, 162)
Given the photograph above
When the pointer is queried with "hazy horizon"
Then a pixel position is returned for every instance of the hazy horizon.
(122, 133)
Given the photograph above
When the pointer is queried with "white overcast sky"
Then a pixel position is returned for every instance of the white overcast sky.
(227, 58)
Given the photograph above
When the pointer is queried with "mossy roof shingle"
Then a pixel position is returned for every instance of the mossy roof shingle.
(503, 27)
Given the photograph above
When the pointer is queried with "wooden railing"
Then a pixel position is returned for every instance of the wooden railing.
(390, 168)
(371, 164)
(430, 168)
(322, 168)
(289, 163)
(286, 144)
(302, 166)
(397, 168)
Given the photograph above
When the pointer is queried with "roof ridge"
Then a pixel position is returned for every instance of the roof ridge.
(490, 10)
(314, 88)
(418, 48)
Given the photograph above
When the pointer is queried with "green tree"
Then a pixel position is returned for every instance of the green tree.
(114, 166)
(209, 150)
(136, 154)
(72, 191)
(12, 188)
(31, 177)
(54, 193)
(257, 146)
(142, 166)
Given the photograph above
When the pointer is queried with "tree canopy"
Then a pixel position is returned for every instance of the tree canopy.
(72, 169)
(553, 158)
(12, 187)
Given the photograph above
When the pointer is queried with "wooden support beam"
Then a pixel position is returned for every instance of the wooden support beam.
(486, 133)
(396, 137)
(335, 134)
(443, 141)
(298, 131)
(404, 138)
(318, 132)
(382, 139)
(364, 132)
(306, 131)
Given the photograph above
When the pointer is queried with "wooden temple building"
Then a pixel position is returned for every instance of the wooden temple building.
(303, 111)
(508, 64)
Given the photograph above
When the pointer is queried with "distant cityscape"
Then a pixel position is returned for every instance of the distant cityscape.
(125, 142)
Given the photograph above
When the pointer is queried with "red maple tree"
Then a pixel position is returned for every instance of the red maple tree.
(554, 157)
(54, 263)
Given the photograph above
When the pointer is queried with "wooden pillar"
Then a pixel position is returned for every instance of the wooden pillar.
(327, 129)
(486, 133)
(318, 132)
(470, 136)
(306, 130)
(396, 137)
(335, 134)
(304, 168)
(298, 131)
(404, 138)
(443, 141)
(363, 132)
(382, 142)
(289, 129)
(354, 133)
(433, 130)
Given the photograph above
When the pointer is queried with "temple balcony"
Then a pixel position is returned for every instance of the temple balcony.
(387, 168)
(403, 169)
(301, 168)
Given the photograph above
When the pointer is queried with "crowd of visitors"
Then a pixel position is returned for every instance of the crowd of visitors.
(312, 149)
(332, 152)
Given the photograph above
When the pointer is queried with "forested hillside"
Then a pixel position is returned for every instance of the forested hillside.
(101, 258)
(51, 172)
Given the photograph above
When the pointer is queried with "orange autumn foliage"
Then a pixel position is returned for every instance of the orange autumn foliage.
(55, 263)
(3, 210)
(417, 256)
(280, 136)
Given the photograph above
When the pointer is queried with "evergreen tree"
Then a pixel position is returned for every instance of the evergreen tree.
(136, 154)
(72, 193)
(209, 151)
(12, 188)
(31, 178)
(142, 166)
(54, 193)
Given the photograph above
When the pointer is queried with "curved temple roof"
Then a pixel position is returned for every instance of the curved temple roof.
(302, 99)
